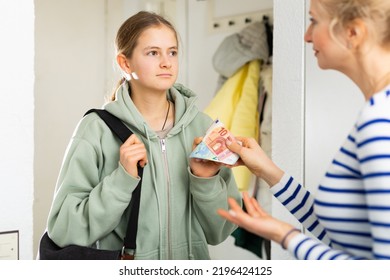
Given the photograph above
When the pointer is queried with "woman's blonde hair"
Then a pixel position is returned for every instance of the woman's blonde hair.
(376, 14)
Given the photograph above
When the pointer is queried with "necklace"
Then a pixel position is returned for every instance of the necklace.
(166, 117)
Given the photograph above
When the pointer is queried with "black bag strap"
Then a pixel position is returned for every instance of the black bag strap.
(114, 123)
(123, 133)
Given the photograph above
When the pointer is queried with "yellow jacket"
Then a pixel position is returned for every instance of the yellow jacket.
(236, 105)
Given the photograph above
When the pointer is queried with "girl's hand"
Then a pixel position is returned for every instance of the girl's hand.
(130, 153)
(201, 167)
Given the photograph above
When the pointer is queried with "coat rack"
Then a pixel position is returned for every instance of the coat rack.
(232, 15)
(236, 22)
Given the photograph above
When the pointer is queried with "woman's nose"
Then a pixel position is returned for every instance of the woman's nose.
(307, 36)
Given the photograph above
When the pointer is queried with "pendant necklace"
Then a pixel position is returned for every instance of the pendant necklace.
(166, 117)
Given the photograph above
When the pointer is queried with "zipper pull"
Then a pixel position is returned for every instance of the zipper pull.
(163, 147)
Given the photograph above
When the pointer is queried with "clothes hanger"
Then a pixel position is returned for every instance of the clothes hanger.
(269, 32)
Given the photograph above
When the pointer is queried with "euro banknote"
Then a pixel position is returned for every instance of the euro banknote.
(213, 145)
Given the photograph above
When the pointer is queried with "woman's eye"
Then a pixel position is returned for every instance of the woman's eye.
(173, 53)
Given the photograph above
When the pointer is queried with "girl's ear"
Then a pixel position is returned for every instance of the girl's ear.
(123, 63)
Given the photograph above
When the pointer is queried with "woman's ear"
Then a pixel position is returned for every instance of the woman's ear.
(356, 33)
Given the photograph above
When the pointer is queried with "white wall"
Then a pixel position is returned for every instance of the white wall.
(331, 109)
(16, 120)
(73, 73)
(288, 99)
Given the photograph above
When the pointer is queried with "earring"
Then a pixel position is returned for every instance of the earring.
(134, 75)
(126, 76)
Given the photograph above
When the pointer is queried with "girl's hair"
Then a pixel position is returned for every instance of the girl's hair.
(376, 14)
(127, 36)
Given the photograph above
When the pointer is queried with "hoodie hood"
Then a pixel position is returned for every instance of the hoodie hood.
(124, 108)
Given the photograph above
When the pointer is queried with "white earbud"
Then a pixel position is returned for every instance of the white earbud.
(134, 75)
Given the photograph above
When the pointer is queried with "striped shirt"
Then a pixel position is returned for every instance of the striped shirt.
(350, 215)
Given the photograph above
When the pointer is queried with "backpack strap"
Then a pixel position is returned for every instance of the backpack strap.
(114, 123)
(123, 132)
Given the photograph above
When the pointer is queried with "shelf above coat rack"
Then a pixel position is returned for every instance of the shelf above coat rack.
(223, 16)
(237, 22)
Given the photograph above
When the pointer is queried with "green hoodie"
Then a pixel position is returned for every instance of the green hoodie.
(178, 215)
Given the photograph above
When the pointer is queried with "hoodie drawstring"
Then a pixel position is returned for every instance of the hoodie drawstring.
(190, 255)
(153, 171)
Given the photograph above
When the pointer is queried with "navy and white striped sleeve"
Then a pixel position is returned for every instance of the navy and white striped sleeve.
(373, 151)
(299, 202)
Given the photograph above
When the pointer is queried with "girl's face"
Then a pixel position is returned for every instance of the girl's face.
(330, 54)
(155, 59)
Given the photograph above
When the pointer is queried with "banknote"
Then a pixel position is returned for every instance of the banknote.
(213, 145)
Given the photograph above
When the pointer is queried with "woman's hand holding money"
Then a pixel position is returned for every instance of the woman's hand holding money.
(253, 157)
